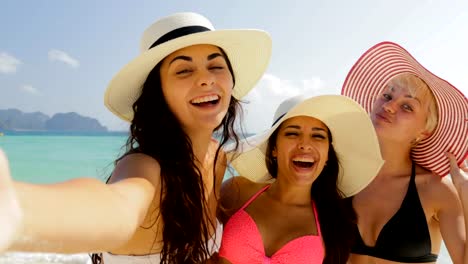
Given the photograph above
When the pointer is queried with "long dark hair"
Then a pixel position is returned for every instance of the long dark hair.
(336, 216)
(155, 131)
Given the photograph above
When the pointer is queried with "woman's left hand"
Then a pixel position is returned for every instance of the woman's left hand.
(459, 174)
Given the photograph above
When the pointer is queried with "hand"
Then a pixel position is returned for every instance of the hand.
(459, 174)
(10, 211)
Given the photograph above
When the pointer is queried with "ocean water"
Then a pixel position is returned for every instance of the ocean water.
(42, 157)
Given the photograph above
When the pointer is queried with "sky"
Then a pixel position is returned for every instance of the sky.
(58, 56)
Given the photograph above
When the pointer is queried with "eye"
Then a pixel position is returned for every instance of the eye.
(407, 107)
(387, 97)
(216, 67)
(291, 133)
(184, 71)
(319, 136)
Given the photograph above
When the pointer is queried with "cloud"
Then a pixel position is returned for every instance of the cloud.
(29, 89)
(263, 100)
(62, 56)
(8, 63)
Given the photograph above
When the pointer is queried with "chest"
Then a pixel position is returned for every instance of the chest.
(280, 225)
(383, 198)
(392, 211)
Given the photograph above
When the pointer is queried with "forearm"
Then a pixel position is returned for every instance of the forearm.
(81, 215)
(463, 193)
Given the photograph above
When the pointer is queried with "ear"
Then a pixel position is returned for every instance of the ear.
(274, 153)
(425, 134)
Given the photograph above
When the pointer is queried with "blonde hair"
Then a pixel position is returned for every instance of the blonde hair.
(418, 88)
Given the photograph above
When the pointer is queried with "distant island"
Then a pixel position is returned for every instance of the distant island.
(14, 119)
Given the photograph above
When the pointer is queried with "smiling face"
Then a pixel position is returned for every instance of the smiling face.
(301, 149)
(197, 85)
(402, 112)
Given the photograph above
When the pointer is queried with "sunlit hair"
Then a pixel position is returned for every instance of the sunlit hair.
(156, 132)
(335, 214)
(419, 89)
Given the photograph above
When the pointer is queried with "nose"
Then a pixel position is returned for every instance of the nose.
(305, 144)
(389, 106)
(206, 78)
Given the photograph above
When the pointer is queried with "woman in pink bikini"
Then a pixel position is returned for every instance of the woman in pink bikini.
(314, 159)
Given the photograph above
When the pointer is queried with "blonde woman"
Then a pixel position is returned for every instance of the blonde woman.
(422, 124)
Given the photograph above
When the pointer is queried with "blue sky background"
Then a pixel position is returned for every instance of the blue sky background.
(58, 56)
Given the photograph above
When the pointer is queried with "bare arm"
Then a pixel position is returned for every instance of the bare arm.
(10, 211)
(459, 176)
(453, 215)
(84, 214)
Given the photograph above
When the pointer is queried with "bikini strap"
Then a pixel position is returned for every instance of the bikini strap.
(317, 223)
(413, 175)
(255, 196)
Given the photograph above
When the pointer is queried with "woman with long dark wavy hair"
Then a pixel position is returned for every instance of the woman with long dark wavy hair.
(288, 206)
(159, 204)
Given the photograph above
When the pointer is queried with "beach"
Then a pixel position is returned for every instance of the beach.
(42, 258)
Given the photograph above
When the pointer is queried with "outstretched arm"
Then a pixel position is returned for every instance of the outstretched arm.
(85, 214)
(10, 211)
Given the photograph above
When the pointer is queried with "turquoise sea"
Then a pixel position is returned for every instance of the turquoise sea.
(45, 157)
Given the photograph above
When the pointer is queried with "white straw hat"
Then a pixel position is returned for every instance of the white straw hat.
(248, 50)
(353, 135)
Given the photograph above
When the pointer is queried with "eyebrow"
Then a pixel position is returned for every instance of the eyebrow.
(187, 58)
(313, 129)
(412, 97)
(406, 95)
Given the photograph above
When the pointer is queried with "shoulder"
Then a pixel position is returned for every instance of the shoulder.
(137, 165)
(236, 191)
(440, 191)
(436, 184)
(237, 184)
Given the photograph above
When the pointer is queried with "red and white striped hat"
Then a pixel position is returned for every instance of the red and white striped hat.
(374, 69)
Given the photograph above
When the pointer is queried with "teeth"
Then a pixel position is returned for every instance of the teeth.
(303, 160)
(205, 99)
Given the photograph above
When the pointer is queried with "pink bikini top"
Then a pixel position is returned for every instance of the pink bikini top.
(242, 242)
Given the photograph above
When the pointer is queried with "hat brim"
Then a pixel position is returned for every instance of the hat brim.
(374, 69)
(248, 51)
(358, 151)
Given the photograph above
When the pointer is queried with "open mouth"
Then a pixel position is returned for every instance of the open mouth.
(208, 100)
(303, 163)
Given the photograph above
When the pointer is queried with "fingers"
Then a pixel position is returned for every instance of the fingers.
(464, 165)
(454, 164)
(10, 212)
(4, 170)
(452, 160)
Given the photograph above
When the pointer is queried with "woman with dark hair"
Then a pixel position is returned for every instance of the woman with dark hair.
(313, 162)
(159, 204)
